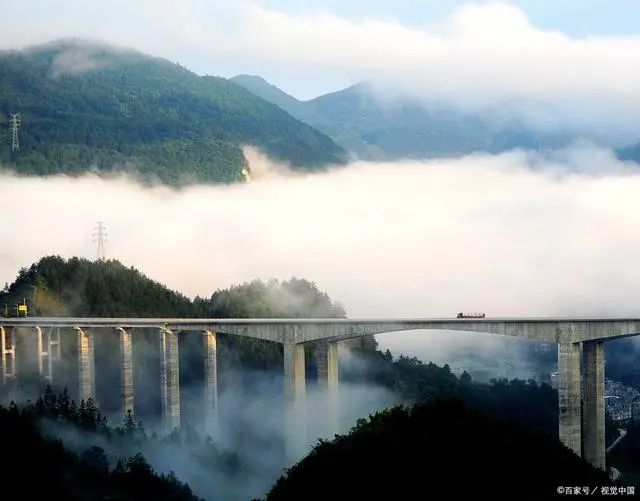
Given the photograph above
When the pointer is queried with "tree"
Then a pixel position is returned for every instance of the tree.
(96, 458)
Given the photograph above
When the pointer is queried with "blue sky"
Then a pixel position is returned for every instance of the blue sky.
(574, 17)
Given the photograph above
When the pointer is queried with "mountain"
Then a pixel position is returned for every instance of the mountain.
(441, 450)
(79, 287)
(86, 105)
(373, 129)
(630, 153)
(260, 87)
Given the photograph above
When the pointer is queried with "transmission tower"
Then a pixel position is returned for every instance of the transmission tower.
(14, 123)
(100, 237)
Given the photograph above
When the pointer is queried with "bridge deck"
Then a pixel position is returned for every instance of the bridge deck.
(296, 330)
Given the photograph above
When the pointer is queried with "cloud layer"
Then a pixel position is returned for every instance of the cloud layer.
(514, 234)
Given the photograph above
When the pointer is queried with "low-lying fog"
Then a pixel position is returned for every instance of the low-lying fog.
(513, 234)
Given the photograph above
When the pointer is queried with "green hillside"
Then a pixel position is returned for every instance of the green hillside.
(442, 450)
(79, 287)
(89, 106)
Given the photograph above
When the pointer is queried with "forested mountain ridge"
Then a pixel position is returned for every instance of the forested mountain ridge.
(80, 287)
(441, 450)
(373, 126)
(86, 105)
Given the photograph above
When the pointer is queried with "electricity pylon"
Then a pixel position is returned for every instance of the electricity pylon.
(100, 237)
(14, 123)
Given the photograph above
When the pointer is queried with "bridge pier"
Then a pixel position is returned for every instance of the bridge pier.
(169, 379)
(42, 354)
(7, 354)
(126, 371)
(326, 356)
(294, 397)
(569, 415)
(581, 423)
(53, 353)
(210, 381)
(86, 366)
(593, 405)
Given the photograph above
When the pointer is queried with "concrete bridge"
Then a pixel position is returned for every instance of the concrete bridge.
(580, 360)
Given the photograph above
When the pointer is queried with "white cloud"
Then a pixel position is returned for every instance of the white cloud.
(515, 234)
(484, 57)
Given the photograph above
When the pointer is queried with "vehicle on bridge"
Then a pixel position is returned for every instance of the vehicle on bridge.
(471, 315)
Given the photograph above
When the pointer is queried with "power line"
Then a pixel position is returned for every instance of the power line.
(100, 237)
(14, 123)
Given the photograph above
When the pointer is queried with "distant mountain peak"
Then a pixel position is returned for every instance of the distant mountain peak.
(245, 77)
(269, 92)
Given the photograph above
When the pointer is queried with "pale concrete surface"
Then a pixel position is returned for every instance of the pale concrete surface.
(294, 396)
(7, 354)
(569, 415)
(210, 349)
(126, 371)
(169, 379)
(86, 365)
(593, 419)
(305, 330)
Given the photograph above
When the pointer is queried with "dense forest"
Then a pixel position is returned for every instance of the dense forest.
(37, 466)
(440, 450)
(88, 106)
(80, 287)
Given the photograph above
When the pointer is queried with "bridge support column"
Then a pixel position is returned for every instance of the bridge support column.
(294, 396)
(593, 438)
(169, 380)
(126, 371)
(86, 366)
(53, 350)
(326, 356)
(42, 354)
(210, 381)
(48, 351)
(569, 422)
(7, 354)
